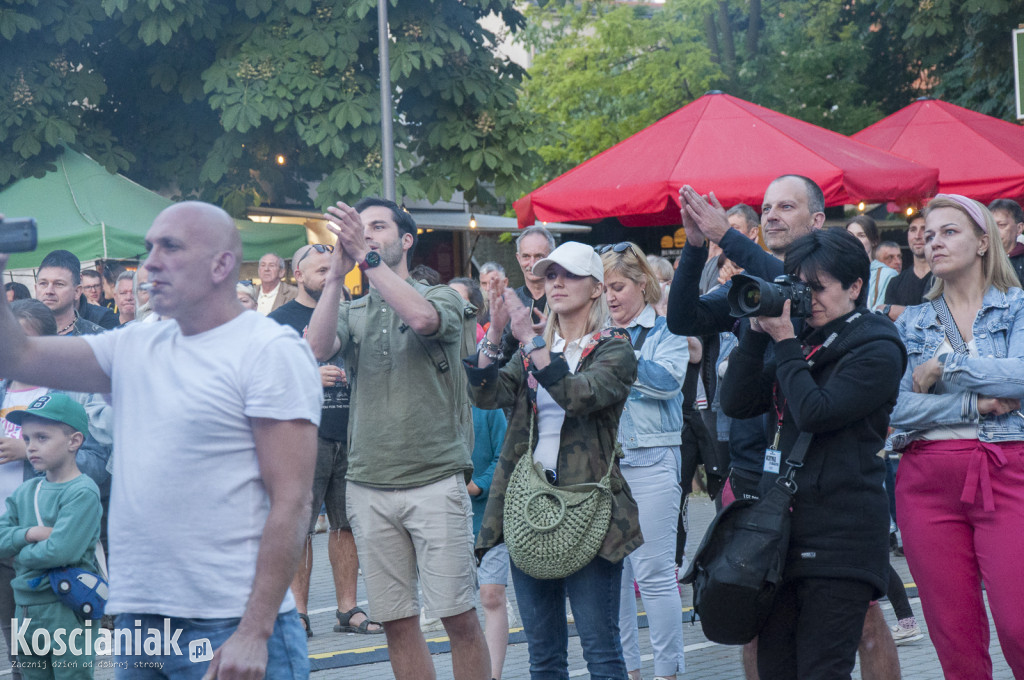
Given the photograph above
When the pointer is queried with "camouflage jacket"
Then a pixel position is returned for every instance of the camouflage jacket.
(593, 398)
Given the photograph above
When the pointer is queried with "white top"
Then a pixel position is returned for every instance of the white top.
(12, 474)
(966, 431)
(187, 504)
(265, 301)
(551, 416)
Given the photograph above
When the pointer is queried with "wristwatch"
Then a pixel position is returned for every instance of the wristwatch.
(372, 260)
(536, 342)
(886, 309)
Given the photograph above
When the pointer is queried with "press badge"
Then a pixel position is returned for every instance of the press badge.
(772, 455)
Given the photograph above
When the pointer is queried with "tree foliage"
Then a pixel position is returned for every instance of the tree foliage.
(204, 95)
(604, 72)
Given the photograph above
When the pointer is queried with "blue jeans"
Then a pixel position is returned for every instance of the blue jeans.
(593, 594)
(287, 656)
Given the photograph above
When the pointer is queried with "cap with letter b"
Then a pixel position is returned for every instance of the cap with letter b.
(57, 407)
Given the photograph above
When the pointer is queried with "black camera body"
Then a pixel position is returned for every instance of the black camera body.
(751, 296)
(18, 235)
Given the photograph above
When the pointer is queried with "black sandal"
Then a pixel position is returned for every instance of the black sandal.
(305, 624)
(345, 623)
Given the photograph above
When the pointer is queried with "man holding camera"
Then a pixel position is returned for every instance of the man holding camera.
(793, 206)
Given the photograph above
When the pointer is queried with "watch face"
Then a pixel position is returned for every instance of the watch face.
(372, 258)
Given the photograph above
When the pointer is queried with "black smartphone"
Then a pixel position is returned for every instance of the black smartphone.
(18, 235)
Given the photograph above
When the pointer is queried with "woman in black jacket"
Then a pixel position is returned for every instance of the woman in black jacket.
(839, 382)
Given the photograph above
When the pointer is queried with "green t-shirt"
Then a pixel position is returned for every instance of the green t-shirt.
(73, 510)
(403, 425)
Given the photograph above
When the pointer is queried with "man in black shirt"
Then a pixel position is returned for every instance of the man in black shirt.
(910, 285)
(311, 264)
(532, 246)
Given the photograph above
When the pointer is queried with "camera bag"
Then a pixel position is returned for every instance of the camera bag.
(737, 570)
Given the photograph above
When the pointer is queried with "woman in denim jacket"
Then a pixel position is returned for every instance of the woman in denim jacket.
(960, 486)
(649, 432)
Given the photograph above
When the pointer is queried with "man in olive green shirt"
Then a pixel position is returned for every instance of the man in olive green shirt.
(408, 460)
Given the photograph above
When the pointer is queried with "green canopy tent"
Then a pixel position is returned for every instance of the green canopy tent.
(98, 215)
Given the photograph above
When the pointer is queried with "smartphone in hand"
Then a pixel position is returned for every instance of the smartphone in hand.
(18, 235)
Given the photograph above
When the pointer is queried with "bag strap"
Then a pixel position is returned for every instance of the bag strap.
(35, 500)
(433, 348)
(956, 341)
(639, 342)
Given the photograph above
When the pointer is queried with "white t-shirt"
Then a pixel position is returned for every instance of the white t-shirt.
(187, 505)
(12, 474)
(551, 416)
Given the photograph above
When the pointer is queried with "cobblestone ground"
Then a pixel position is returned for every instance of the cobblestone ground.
(363, 657)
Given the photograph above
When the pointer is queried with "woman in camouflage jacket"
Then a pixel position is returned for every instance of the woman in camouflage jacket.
(574, 387)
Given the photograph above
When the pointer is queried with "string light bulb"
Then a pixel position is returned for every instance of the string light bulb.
(472, 221)
(280, 159)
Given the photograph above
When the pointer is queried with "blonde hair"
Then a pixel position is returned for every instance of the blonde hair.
(596, 319)
(995, 264)
(633, 265)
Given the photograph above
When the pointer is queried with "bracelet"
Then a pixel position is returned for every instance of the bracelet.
(492, 346)
(493, 356)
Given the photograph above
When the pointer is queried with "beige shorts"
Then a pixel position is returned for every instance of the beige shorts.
(425, 531)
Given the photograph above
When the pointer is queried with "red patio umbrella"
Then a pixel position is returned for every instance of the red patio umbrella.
(977, 155)
(727, 145)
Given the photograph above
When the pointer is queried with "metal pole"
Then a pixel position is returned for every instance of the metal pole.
(387, 151)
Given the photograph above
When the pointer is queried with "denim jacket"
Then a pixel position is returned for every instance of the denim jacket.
(997, 371)
(653, 415)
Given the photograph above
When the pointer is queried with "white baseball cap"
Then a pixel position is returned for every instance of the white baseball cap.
(576, 258)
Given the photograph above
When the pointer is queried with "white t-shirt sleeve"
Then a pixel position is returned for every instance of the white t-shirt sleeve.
(104, 347)
(285, 383)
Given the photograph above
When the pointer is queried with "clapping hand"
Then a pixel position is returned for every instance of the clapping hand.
(708, 216)
(344, 222)
(521, 316)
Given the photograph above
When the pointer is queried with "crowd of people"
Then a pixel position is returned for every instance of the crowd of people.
(178, 394)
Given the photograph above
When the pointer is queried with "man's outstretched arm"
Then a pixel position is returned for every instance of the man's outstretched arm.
(56, 362)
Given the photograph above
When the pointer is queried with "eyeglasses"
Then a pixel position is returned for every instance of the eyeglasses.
(95, 286)
(318, 247)
(620, 247)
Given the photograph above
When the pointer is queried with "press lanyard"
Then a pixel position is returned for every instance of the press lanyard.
(773, 454)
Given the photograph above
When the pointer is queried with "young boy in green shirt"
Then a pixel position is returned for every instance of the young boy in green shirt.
(68, 502)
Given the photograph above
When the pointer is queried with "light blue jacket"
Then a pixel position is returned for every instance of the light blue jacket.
(653, 415)
(997, 371)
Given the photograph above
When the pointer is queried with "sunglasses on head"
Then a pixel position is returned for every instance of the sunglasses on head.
(318, 247)
(620, 247)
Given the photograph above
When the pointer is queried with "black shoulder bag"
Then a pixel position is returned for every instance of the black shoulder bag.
(737, 570)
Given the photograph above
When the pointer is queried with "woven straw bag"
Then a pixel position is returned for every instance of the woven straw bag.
(554, 531)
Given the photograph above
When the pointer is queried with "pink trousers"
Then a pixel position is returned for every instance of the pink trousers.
(961, 512)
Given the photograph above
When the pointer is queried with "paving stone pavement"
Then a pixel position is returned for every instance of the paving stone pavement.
(363, 657)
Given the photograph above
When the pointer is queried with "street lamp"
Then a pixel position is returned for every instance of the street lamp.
(387, 152)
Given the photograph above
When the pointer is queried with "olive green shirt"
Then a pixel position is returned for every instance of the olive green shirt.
(403, 428)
